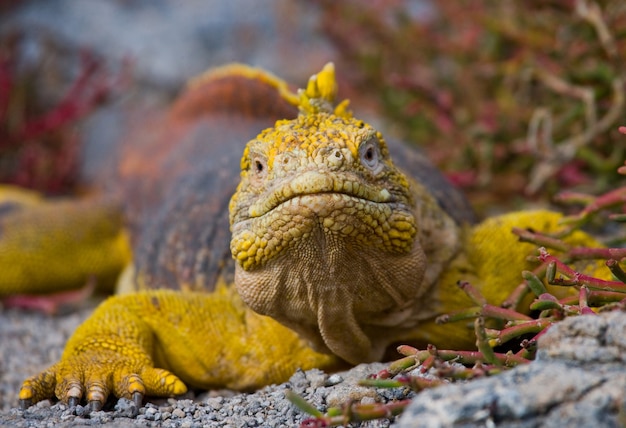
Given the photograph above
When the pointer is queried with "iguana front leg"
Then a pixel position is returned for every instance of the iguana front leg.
(154, 343)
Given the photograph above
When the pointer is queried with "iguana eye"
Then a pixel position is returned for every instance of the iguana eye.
(370, 156)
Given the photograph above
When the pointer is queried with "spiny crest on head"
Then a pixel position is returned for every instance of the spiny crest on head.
(319, 95)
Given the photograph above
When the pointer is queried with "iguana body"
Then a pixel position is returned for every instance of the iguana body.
(344, 251)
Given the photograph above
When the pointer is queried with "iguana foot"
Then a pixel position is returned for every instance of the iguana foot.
(71, 380)
(111, 353)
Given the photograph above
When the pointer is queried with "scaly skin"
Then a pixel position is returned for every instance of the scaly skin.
(340, 248)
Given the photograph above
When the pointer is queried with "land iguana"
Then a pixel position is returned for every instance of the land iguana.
(338, 252)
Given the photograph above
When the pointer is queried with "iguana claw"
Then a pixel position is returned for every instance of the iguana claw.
(25, 404)
(95, 406)
(138, 399)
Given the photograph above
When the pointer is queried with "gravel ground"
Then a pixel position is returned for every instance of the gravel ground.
(29, 342)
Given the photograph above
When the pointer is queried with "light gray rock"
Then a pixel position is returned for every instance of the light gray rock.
(578, 379)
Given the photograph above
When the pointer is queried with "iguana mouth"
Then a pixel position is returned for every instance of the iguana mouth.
(317, 183)
(320, 206)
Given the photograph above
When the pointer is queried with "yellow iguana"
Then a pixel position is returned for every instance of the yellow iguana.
(338, 252)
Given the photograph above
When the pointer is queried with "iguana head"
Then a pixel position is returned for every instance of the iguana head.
(323, 227)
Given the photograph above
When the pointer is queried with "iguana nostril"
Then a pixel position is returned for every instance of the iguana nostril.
(336, 158)
(287, 161)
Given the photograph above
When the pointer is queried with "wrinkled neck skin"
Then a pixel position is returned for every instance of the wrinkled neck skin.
(336, 285)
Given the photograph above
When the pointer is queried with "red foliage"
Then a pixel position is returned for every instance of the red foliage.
(39, 142)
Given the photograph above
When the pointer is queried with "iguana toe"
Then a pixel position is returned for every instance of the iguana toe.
(151, 381)
(70, 390)
(37, 388)
(97, 393)
(160, 382)
(129, 385)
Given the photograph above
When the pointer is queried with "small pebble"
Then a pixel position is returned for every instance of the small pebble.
(368, 400)
(45, 404)
(178, 413)
(333, 379)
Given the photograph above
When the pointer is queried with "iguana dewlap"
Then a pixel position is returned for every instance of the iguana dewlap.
(343, 248)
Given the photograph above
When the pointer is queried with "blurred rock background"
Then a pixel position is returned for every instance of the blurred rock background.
(170, 41)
